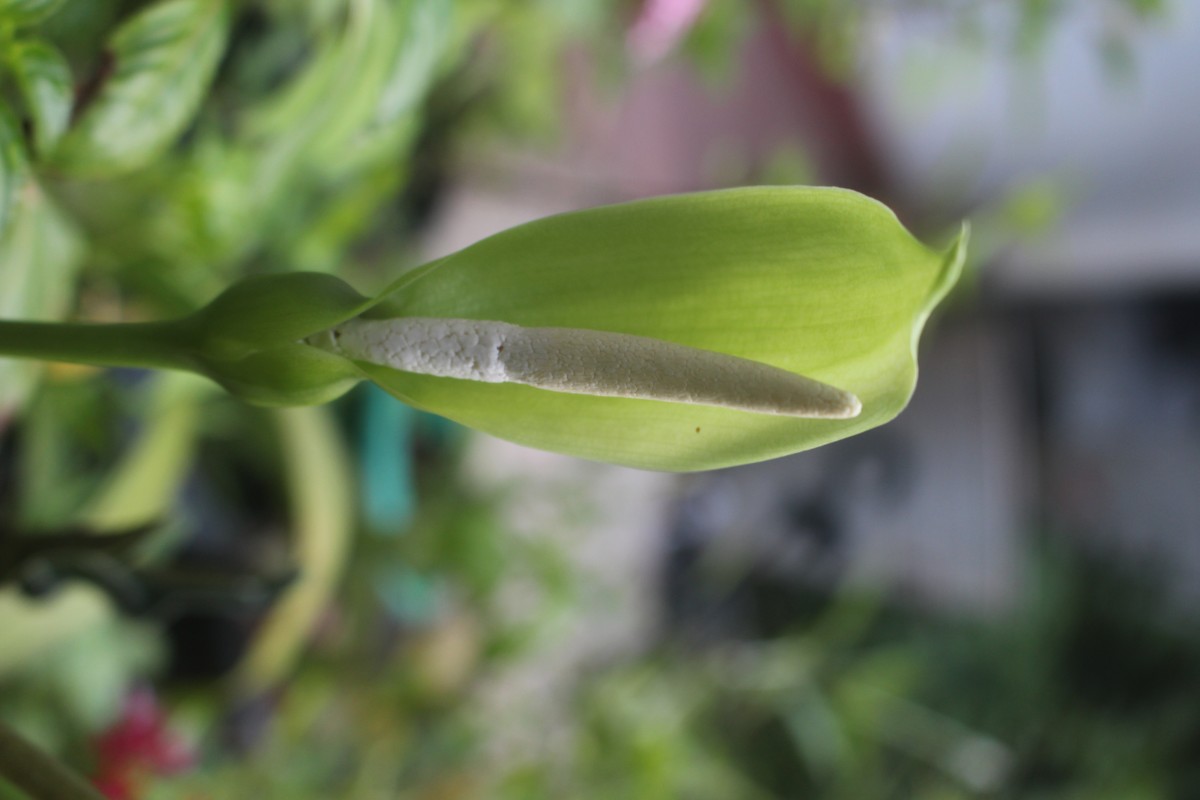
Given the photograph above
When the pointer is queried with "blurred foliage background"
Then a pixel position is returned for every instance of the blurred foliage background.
(203, 599)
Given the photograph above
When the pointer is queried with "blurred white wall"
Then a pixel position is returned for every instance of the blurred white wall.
(979, 118)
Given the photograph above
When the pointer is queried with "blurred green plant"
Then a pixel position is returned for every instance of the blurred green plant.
(154, 154)
(867, 698)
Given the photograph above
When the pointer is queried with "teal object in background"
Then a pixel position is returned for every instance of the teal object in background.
(389, 496)
(409, 597)
(388, 434)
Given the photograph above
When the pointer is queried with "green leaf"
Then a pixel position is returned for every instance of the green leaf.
(165, 58)
(30, 629)
(337, 92)
(44, 80)
(139, 489)
(39, 254)
(825, 283)
(321, 496)
(12, 166)
(25, 12)
(362, 81)
(426, 28)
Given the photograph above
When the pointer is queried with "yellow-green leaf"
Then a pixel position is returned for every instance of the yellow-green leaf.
(13, 169)
(25, 12)
(44, 80)
(321, 498)
(425, 31)
(39, 254)
(362, 83)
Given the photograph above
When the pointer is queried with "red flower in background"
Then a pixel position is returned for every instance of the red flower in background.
(138, 745)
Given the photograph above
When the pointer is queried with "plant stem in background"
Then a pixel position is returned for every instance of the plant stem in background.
(36, 773)
(154, 345)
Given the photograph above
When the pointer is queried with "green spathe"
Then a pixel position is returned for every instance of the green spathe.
(824, 283)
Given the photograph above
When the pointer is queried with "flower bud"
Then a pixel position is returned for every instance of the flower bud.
(249, 338)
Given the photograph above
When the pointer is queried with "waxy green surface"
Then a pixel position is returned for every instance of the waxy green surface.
(822, 282)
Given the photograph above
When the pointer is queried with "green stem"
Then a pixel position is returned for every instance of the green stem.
(38, 774)
(156, 345)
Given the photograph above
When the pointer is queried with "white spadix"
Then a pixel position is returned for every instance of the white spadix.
(588, 362)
